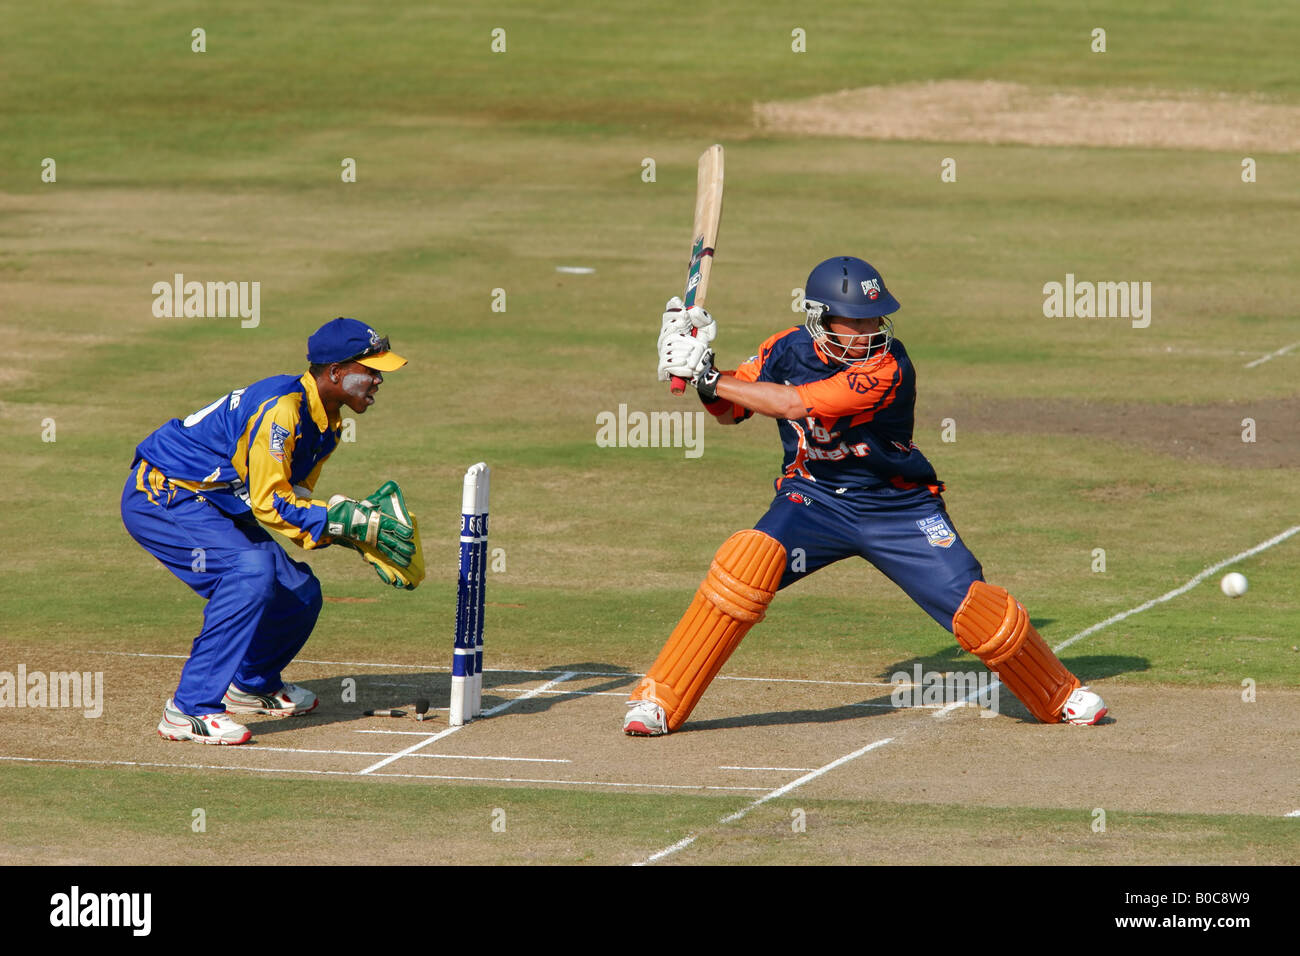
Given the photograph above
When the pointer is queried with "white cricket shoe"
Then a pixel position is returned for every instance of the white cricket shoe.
(1083, 707)
(645, 718)
(204, 729)
(289, 701)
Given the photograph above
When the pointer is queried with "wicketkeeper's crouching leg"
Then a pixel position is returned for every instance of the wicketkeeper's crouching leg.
(995, 627)
(731, 599)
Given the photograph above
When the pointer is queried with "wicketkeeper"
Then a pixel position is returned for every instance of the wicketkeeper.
(201, 495)
(842, 390)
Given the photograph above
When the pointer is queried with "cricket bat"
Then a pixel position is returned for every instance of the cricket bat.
(704, 235)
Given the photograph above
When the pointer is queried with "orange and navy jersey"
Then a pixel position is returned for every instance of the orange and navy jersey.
(857, 433)
(255, 450)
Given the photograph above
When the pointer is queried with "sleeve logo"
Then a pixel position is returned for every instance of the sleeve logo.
(278, 434)
(861, 382)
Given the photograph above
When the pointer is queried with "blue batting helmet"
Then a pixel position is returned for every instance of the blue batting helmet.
(850, 288)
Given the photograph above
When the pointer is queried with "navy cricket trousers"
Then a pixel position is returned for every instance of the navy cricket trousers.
(907, 536)
(262, 605)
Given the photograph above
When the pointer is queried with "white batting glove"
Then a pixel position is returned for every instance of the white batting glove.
(683, 355)
(705, 327)
(678, 321)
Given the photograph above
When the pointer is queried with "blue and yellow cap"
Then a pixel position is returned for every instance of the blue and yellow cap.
(351, 340)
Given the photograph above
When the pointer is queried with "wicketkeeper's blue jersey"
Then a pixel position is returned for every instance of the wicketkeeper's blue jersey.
(246, 452)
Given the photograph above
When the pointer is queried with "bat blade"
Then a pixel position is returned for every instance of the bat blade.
(704, 234)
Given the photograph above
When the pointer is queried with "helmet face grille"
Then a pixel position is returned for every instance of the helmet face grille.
(837, 346)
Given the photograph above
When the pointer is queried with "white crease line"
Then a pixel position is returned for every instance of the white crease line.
(536, 691)
(790, 769)
(563, 693)
(305, 660)
(258, 748)
(411, 749)
(802, 680)
(182, 766)
(1294, 813)
(353, 773)
(523, 670)
(581, 783)
(399, 733)
(451, 730)
(894, 706)
(1168, 596)
(1271, 355)
(385, 753)
(965, 701)
(770, 795)
(478, 757)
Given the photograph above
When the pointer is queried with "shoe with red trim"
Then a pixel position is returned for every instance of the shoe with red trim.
(289, 701)
(203, 728)
(645, 718)
(1083, 707)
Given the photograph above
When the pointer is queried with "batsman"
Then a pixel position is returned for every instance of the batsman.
(203, 492)
(853, 483)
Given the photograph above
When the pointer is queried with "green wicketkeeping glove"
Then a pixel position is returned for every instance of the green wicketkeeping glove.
(364, 523)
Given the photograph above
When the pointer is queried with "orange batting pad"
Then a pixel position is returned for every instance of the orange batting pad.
(993, 626)
(731, 599)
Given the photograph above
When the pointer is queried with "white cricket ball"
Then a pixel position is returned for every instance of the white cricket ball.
(1234, 584)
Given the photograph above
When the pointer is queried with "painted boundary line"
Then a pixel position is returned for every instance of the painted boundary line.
(1167, 596)
(1272, 355)
(770, 795)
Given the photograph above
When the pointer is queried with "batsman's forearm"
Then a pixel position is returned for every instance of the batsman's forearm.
(765, 398)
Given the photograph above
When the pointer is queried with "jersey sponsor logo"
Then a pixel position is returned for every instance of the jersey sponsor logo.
(871, 289)
(937, 531)
(840, 452)
(278, 434)
(799, 499)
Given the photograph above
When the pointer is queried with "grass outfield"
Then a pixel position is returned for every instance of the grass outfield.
(481, 171)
